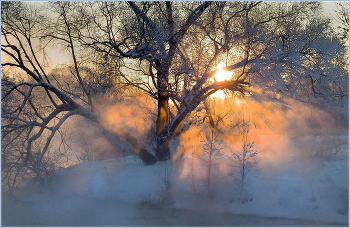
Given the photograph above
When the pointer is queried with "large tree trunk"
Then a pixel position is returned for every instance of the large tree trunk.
(163, 148)
(162, 152)
(163, 113)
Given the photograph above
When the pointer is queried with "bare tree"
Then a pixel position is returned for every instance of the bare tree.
(212, 145)
(179, 47)
(36, 105)
(343, 18)
(169, 50)
(243, 161)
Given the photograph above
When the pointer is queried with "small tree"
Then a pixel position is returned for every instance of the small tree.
(244, 161)
(212, 146)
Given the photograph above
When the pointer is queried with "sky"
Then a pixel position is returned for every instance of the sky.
(330, 7)
(58, 57)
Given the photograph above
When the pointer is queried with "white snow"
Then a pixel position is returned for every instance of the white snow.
(124, 192)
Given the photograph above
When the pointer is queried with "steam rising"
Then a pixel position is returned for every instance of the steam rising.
(285, 178)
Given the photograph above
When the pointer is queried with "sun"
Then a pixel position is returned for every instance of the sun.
(222, 74)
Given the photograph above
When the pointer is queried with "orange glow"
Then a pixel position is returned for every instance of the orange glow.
(275, 131)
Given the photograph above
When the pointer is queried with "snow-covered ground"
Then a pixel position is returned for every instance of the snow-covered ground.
(124, 192)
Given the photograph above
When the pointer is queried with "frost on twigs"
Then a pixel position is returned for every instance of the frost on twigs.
(243, 162)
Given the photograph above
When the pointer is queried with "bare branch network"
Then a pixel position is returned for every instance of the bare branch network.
(167, 50)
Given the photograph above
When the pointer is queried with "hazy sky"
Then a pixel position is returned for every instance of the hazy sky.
(330, 8)
(57, 57)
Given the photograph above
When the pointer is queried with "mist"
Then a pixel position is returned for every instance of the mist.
(299, 173)
(230, 113)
